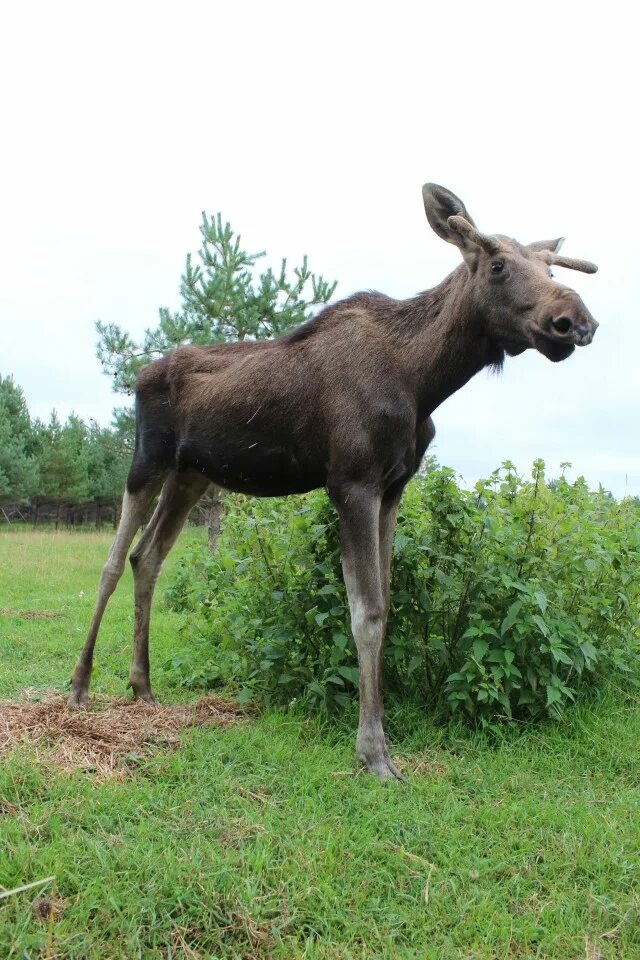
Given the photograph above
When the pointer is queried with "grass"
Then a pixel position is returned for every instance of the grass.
(259, 841)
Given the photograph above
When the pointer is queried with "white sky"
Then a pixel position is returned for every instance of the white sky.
(312, 127)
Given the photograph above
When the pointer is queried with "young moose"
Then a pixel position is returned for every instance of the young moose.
(343, 402)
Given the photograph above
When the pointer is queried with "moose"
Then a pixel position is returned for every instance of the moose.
(342, 402)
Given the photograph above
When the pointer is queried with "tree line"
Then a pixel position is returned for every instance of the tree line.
(48, 470)
(73, 469)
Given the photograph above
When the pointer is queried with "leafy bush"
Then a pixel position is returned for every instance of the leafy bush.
(507, 600)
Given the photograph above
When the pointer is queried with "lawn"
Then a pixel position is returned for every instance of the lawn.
(262, 841)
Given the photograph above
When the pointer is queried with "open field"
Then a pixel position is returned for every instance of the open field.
(259, 841)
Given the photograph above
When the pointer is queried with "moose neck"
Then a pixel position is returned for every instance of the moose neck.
(443, 340)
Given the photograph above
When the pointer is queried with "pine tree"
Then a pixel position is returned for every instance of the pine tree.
(223, 299)
(18, 461)
(108, 463)
(64, 461)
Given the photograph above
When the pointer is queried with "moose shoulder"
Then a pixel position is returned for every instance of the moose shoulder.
(344, 402)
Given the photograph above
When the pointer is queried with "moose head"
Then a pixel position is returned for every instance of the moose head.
(511, 285)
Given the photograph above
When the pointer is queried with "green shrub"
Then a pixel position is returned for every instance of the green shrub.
(507, 600)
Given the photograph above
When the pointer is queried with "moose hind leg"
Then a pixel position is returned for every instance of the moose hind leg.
(359, 513)
(179, 495)
(134, 507)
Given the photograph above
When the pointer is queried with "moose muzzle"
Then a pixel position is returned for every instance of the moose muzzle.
(565, 325)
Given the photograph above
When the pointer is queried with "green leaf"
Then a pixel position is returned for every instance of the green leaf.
(511, 617)
(553, 695)
(539, 622)
(327, 589)
(541, 600)
(335, 679)
(349, 673)
(560, 656)
(479, 648)
(589, 652)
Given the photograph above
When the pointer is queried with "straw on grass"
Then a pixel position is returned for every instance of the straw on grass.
(107, 737)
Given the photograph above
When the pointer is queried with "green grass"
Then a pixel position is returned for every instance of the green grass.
(259, 841)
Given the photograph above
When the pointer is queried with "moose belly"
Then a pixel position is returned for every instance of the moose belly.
(251, 464)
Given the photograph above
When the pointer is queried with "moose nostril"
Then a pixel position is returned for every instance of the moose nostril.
(561, 324)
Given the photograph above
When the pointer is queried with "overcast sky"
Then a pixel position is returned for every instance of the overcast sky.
(311, 127)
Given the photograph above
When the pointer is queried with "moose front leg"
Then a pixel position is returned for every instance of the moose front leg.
(359, 512)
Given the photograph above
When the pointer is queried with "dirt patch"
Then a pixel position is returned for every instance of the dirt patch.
(107, 738)
(30, 614)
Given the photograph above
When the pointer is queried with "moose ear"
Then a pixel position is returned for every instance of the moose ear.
(439, 205)
(448, 216)
(540, 245)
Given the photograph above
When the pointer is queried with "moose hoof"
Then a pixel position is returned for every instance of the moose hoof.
(143, 695)
(382, 767)
(78, 700)
(147, 697)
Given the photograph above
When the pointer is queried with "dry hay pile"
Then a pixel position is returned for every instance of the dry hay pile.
(110, 735)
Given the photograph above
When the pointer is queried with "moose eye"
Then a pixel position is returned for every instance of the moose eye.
(497, 266)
